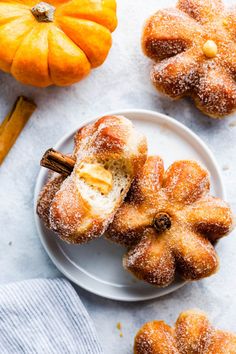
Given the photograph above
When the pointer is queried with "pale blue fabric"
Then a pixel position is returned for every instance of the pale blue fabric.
(45, 316)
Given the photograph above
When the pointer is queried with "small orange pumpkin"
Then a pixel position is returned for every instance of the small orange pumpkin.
(57, 42)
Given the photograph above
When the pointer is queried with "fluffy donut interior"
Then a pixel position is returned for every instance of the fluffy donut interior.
(105, 203)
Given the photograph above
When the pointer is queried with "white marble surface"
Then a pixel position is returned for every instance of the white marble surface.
(122, 82)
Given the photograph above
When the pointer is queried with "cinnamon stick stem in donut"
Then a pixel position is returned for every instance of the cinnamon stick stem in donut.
(57, 162)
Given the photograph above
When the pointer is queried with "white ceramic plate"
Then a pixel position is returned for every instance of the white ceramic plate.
(97, 266)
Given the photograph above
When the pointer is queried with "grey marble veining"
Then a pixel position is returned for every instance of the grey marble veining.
(122, 82)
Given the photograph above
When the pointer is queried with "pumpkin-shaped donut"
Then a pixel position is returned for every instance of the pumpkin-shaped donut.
(193, 48)
(107, 156)
(193, 333)
(170, 223)
(57, 42)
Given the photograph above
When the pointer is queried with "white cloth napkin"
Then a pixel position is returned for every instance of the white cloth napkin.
(45, 316)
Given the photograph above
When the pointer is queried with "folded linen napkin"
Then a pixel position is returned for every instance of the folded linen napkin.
(45, 316)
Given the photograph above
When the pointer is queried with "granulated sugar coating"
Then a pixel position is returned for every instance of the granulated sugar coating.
(192, 333)
(46, 196)
(169, 222)
(75, 209)
(195, 53)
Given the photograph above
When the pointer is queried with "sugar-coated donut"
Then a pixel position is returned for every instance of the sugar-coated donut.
(170, 222)
(108, 154)
(192, 333)
(194, 50)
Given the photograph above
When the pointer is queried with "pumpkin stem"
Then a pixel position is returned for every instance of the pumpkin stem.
(43, 12)
(162, 222)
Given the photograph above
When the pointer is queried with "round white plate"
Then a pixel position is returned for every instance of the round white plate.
(97, 266)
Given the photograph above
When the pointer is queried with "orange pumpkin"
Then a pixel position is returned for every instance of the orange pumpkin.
(54, 43)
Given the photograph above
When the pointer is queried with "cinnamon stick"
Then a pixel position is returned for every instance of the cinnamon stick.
(13, 124)
(58, 162)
